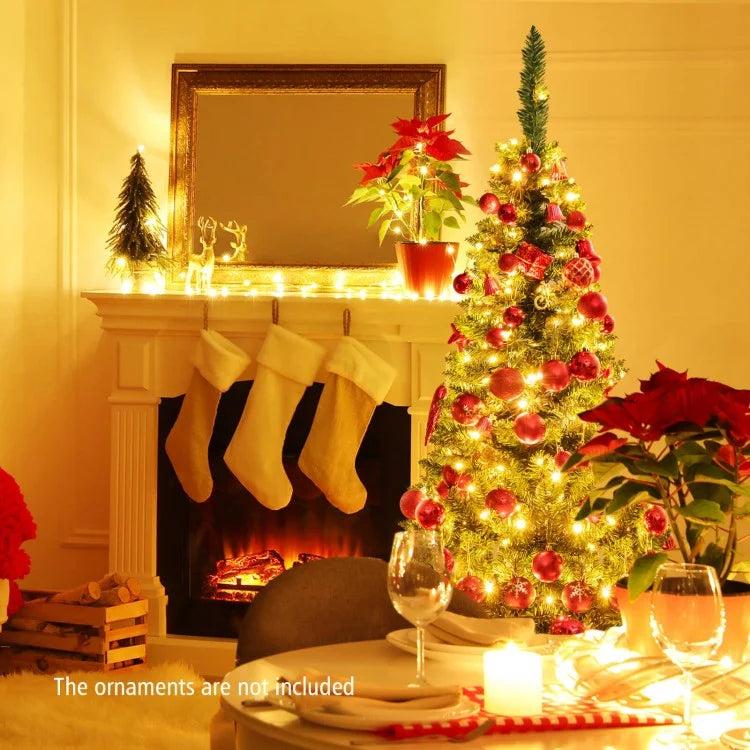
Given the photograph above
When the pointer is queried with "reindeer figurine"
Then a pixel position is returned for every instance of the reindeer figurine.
(239, 233)
(201, 265)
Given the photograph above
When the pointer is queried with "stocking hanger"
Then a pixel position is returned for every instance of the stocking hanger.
(275, 310)
(347, 321)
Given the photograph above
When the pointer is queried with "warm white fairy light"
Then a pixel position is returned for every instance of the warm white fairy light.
(555, 476)
(505, 541)
(471, 488)
(517, 176)
(499, 468)
(545, 181)
(423, 240)
(611, 520)
(571, 196)
(475, 434)
(226, 257)
(495, 168)
(493, 359)
(523, 404)
(141, 147)
(549, 599)
(485, 381)
(458, 465)
(606, 591)
(539, 461)
(224, 292)
(423, 170)
(484, 514)
(396, 230)
(520, 524)
(514, 141)
(466, 358)
(577, 320)
(126, 286)
(489, 587)
(577, 527)
(591, 547)
(211, 292)
(478, 245)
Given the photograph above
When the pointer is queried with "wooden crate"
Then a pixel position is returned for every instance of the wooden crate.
(85, 638)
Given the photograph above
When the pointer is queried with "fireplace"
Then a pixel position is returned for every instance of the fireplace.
(151, 338)
(214, 557)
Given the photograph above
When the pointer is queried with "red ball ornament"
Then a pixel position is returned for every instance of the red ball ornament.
(501, 501)
(577, 596)
(578, 272)
(507, 262)
(507, 213)
(561, 458)
(472, 586)
(593, 306)
(576, 220)
(608, 324)
(506, 383)
(453, 478)
(564, 625)
(442, 490)
(655, 520)
(450, 562)
(489, 203)
(467, 409)
(584, 366)
(529, 428)
(430, 514)
(409, 502)
(513, 317)
(531, 163)
(494, 337)
(462, 283)
(519, 593)
(547, 566)
(555, 375)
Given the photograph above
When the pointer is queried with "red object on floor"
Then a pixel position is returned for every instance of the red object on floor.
(556, 716)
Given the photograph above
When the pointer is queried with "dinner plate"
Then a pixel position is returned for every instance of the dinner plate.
(380, 718)
(406, 640)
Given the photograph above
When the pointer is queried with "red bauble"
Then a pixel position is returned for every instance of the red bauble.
(655, 520)
(564, 625)
(561, 458)
(489, 203)
(507, 213)
(577, 596)
(554, 213)
(608, 324)
(494, 337)
(578, 272)
(472, 586)
(531, 162)
(490, 285)
(529, 428)
(519, 593)
(430, 514)
(450, 562)
(507, 262)
(453, 478)
(506, 383)
(670, 544)
(547, 566)
(442, 490)
(555, 375)
(576, 220)
(409, 502)
(513, 317)
(584, 366)
(462, 283)
(467, 409)
(593, 306)
(502, 501)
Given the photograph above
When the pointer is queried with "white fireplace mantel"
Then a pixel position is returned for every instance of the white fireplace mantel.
(154, 337)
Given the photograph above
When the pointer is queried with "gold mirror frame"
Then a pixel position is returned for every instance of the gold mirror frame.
(426, 82)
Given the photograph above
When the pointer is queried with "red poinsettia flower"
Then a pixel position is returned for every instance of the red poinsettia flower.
(663, 377)
(726, 457)
(386, 163)
(601, 444)
(436, 143)
(629, 414)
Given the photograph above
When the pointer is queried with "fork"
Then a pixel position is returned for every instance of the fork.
(472, 734)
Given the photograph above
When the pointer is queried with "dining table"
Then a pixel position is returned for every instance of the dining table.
(263, 727)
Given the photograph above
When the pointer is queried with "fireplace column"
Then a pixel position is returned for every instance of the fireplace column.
(133, 466)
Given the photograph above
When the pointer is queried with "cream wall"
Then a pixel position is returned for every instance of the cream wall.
(647, 99)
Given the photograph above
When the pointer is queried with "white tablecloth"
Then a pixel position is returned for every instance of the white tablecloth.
(378, 661)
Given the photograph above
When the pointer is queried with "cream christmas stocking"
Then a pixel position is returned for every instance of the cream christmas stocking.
(218, 363)
(287, 364)
(357, 381)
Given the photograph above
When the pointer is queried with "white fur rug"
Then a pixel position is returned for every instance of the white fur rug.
(33, 716)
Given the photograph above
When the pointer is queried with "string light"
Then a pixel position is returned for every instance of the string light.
(520, 524)
(571, 196)
(484, 514)
(577, 527)
(555, 476)
(606, 591)
(458, 465)
(517, 176)
(495, 168)
(549, 599)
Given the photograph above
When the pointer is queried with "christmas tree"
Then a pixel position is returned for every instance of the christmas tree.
(533, 348)
(135, 239)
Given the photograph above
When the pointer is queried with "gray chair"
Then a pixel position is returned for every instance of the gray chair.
(323, 602)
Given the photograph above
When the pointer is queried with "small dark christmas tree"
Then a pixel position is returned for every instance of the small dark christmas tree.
(135, 240)
(534, 349)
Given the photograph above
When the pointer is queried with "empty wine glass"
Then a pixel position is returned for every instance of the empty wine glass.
(688, 622)
(418, 582)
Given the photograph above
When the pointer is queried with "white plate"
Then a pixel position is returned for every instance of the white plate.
(406, 640)
(380, 718)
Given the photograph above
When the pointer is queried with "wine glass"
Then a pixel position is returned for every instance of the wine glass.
(688, 622)
(418, 583)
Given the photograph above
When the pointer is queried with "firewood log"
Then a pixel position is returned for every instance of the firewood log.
(112, 580)
(34, 626)
(110, 597)
(134, 587)
(84, 594)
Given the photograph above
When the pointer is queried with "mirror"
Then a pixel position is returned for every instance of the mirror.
(262, 161)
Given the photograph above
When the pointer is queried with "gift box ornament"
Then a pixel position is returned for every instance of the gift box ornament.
(532, 260)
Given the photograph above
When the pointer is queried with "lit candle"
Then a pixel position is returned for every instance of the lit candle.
(512, 682)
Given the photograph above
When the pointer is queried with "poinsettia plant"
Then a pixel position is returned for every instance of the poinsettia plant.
(681, 446)
(414, 182)
(16, 527)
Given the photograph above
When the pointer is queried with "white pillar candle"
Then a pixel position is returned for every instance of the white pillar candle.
(512, 682)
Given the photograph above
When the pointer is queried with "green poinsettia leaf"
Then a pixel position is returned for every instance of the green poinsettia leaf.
(450, 179)
(629, 493)
(452, 222)
(585, 511)
(713, 556)
(643, 572)
(384, 227)
(375, 215)
(718, 493)
(702, 511)
(691, 453)
(432, 223)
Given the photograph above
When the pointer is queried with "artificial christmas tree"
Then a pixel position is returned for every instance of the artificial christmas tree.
(533, 349)
(135, 240)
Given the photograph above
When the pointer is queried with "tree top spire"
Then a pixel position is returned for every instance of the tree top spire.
(533, 92)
